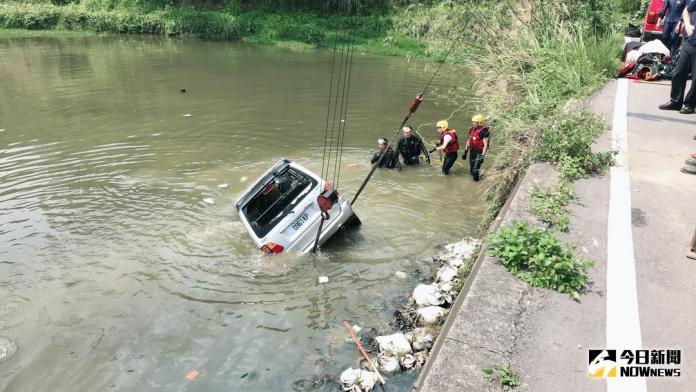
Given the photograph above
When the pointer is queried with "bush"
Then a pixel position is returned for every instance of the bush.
(502, 375)
(566, 143)
(537, 257)
(549, 204)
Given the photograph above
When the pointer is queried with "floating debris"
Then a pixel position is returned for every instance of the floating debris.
(223, 185)
(243, 179)
(323, 279)
(187, 115)
(209, 200)
(182, 90)
(156, 134)
(7, 349)
(356, 328)
(394, 344)
(191, 375)
(358, 380)
(2, 130)
(400, 274)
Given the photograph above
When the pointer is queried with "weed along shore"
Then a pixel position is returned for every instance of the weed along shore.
(529, 69)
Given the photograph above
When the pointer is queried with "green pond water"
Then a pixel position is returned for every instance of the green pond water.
(115, 275)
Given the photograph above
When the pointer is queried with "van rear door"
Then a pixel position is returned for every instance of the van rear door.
(276, 198)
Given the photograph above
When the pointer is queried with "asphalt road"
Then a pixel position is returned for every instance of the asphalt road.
(662, 221)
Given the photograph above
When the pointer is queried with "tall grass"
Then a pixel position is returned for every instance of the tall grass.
(372, 33)
(526, 76)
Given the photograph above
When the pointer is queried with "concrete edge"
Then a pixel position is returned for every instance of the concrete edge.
(456, 307)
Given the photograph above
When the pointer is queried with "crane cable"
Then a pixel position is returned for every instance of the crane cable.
(337, 121)
(337, 108)
(416, 102)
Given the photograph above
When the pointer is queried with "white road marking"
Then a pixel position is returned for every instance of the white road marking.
(623, 323)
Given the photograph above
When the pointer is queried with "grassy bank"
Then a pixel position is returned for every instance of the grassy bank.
(24, 33)
(371, 32)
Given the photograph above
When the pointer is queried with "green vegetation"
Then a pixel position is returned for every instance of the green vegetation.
(549, 204)
(256, 26)
(537, 257)
(524, 85)
(567, 144)
(24, 33)
(502, 375)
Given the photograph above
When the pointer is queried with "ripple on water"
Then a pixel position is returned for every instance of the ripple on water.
(7, 349)
(104, 227)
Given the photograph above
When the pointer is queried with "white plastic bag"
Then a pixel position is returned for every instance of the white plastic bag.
(427, 295)
(394, 344)
(431, 314)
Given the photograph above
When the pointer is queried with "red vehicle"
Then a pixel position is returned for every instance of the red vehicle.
(651, 29)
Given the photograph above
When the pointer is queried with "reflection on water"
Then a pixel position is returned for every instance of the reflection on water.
(115, 275)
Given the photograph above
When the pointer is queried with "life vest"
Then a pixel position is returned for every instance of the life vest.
(475, 141)
(453, 145)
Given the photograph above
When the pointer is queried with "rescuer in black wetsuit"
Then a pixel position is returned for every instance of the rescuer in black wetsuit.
(390, 160)
(410, 147)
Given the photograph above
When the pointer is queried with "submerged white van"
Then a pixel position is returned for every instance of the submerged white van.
(281, 210)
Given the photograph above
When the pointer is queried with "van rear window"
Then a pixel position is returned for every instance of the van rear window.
(276, 199)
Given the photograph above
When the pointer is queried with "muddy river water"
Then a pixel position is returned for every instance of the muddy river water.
(115, 275)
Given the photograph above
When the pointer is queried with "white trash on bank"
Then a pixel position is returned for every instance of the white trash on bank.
(358, 380)
(447, 273)
(420, 339)
(431, 314)
(7, 349)
(446, 288)
(408, 361)
(421, 357)
(460, 251)
(394, 344)
(428, 295)
(388, 363)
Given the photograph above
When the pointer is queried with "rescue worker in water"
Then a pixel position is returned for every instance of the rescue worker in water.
(477, 145)
(448, 144)
(410, 147)
(390, 160)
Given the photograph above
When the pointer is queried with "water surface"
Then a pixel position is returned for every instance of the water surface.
(115, 275)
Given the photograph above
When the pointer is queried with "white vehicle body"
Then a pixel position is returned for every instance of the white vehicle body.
(281, 213)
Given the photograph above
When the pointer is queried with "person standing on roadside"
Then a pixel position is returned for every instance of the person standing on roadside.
(686, 63)
(410, 147)
(477, 145)
(448, 144)
(670, 14)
